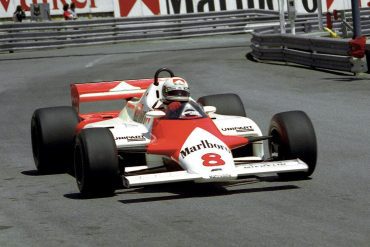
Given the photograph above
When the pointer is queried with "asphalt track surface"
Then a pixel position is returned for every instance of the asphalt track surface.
(331, 209)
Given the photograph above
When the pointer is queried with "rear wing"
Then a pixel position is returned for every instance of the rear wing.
(112, 90)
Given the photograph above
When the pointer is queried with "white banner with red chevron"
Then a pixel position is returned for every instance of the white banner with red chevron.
(128, 8)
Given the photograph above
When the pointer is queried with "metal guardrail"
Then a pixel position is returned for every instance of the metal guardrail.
(310, 49)
(23, 36)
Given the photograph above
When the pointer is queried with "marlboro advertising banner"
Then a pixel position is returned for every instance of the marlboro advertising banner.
(123, 8)
(128, 8)
(7, 7)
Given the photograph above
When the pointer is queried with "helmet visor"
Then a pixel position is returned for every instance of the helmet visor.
(179, 93)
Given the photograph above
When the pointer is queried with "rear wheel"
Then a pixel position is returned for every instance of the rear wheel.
(228, 104)
(52, 134)
(96, 162)
(293, 136)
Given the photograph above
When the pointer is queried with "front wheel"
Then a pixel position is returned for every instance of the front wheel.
(293, 136)
(96, 162)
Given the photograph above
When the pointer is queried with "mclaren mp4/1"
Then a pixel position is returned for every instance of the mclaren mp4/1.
(160, 134)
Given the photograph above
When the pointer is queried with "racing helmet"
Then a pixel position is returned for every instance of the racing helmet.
(175, 89)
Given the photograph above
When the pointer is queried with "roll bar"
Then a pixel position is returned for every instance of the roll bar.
(156, 83)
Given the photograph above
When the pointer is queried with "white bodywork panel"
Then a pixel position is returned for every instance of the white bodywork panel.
(205, 154)
(127, 134)
(240, 126)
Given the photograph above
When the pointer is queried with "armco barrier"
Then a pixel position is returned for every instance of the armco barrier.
(316, 52)
(23, 36)
(42, 35)
(312, 49)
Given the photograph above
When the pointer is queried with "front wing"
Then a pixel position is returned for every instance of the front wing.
(249, 169)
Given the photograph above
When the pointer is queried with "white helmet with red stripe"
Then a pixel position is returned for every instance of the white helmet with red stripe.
(175, 89)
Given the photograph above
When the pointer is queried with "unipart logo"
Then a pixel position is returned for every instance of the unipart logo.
(238, 129)
(204, 144)
(131, 138)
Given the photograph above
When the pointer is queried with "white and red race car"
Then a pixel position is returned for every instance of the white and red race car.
(147, 142)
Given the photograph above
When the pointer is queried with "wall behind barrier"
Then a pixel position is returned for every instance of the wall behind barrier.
(123, 8)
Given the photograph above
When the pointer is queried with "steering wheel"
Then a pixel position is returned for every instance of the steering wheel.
(156, 83)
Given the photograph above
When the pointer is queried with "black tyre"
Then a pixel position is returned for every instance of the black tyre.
(96, 162)
(226, 104)
(293, 136)
(52, 134)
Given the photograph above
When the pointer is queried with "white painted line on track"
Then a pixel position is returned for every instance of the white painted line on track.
(96, 61)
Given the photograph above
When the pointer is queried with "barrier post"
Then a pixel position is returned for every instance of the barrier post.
(329, 22)
(319, 14)
(281, 16)
(356, 19)
(292, 15)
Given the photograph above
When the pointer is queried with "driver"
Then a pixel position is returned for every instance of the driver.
(176, 94)
(175, 89)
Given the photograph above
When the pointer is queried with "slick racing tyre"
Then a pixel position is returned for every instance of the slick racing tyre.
(228, 104)
(96, 162)
(52, 135)
(293, 136)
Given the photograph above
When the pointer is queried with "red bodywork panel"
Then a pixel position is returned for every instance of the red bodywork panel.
(170, 135)
(94, 117)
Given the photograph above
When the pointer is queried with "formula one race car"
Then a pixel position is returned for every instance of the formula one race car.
(162, 135)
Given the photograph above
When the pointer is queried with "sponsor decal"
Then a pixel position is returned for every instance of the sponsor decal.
(204, 153)
(194, 6)
(131, 138)
(277, 164)
(204, 144)
(163, 7)
(216, 170)
(212, 159)
(238, 129)
(225, 175)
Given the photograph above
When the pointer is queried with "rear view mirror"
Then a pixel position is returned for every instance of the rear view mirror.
(209, 109)
(155, 114)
